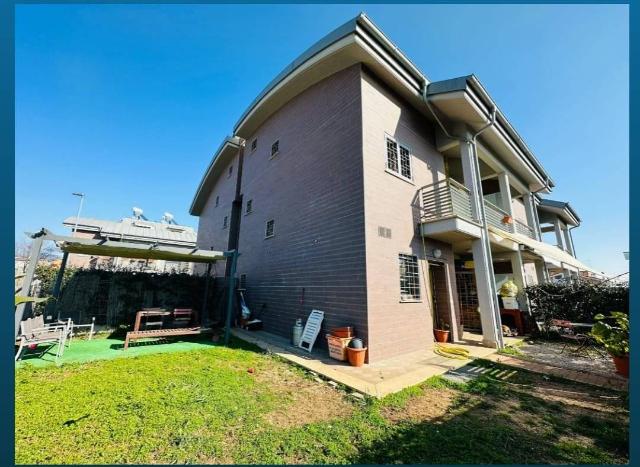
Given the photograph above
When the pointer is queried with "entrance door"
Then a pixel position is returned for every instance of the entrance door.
(440, 300)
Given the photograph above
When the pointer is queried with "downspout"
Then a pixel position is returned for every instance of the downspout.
(234, 224)
(476, 165)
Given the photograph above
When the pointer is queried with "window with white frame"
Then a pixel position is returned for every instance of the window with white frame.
(254, 144)
(249, 208)
(275, 148)
(217, 201)
(409, 277)
(230, 171)
(269, 229)
(225, 222)
(398, 158)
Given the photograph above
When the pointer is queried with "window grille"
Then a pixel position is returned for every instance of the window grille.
(409, 277)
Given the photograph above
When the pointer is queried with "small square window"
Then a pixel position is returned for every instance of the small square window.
(225, 222)
(275, 148)
(269, 230)
(249, 208)
(217, 201)
(254, 144)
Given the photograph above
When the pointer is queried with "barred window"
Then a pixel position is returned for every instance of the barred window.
(249, 206)
(268, 231)
(225, 222)
(398, 158)
(392, 155)
(217, 201)
(275, 147)
(230, 171)
(409, 277)
(254, 144)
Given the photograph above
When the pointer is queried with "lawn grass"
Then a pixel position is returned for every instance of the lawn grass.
(240, 405)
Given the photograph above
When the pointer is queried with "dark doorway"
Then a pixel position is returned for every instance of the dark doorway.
(440, 301)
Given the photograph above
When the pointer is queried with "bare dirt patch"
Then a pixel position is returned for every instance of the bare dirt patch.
(431, 405)
(307, 400)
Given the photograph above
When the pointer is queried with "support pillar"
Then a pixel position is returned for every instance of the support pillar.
(532, 219)
(505, 193)
(568, 241)
(557, 227)
(230, 294)
(483, 263)
(205, 301)
(541, 272)
(517, 266)
(34, 256)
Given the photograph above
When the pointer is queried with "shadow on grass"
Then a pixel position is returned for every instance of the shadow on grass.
(492, 423)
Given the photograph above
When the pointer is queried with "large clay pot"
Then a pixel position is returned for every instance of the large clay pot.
(441, 335)
(622, 365)
(356, 356)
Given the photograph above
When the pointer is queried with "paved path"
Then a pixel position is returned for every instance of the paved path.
(613, 382)
(377, 379)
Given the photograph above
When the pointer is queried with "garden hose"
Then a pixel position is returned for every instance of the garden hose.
(451, 352)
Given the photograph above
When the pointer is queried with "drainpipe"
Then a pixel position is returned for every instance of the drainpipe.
(487, 244)
(234, 224)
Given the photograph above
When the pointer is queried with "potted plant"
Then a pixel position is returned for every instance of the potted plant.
(442, 332)
(356, 352)
(614, 338)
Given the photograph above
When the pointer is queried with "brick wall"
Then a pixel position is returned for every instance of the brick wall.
(313, 191)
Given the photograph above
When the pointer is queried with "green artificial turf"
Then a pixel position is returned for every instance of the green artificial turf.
(202, 403)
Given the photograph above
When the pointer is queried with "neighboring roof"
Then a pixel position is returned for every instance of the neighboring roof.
(225, 153)
(99, 247)
(137, 230)
(559, 208)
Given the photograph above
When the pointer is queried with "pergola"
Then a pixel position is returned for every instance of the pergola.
(114, 248)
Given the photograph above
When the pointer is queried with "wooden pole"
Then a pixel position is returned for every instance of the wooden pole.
(205, 300)
(58, 285)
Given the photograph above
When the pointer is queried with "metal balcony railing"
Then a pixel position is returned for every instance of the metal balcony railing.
(444, 199)
(449, 198)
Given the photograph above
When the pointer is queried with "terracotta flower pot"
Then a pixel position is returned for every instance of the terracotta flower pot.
(356, 356)
(622, 365)
(507, 220)
(441, 335)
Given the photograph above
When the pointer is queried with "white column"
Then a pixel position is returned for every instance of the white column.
(517, 266)
(557, 225)
(483, 267)
(567, 241)
(529, 208)
(505, 193)
(541, 272)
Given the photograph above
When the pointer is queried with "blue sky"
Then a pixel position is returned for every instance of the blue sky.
(127, 103)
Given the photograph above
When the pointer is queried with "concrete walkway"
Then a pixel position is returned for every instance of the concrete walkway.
(612, 382)
(378, 379)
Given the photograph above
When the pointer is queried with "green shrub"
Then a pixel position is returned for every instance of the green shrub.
(578, 301)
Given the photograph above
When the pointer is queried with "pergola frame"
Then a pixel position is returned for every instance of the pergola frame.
(113, 248)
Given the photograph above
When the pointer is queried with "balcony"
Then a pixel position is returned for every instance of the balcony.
(446, 212)
(496, 216)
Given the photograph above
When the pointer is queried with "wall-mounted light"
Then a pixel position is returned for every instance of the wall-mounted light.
(436, 253)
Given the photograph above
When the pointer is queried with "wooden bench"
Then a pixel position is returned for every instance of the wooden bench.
(181, 315)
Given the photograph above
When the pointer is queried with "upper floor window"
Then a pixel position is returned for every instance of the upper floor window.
(225, 222)
(275, 148)
(254, 144)
(217, 201)
(269, 229)
(249, 207)
(398, 158)
(409, 277)
(230, 171)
